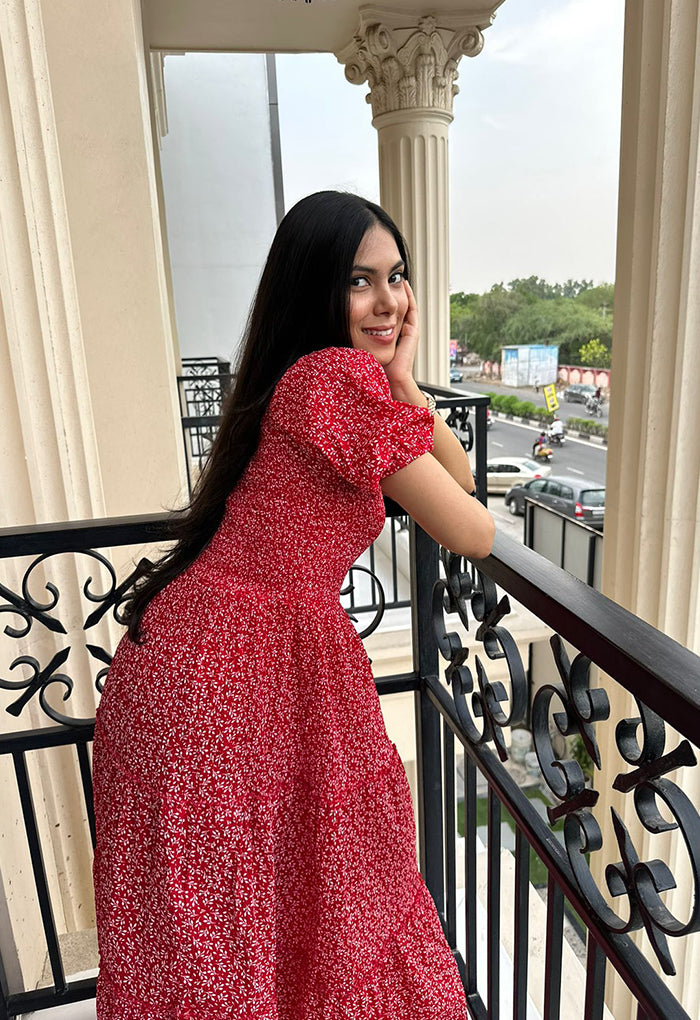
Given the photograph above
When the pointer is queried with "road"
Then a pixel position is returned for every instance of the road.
(576, 457)
(527, 393)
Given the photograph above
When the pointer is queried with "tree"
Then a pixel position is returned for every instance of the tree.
(595, 354)
(538, 289)
(529, 310)
(561, 321)
(488, 320)
(461, 306)
(600, 298)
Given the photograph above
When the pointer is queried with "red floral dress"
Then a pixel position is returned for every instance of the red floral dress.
(256, 852)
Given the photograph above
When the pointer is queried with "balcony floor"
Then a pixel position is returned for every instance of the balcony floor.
(71, 1011)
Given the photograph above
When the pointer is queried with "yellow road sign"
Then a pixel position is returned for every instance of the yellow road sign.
(550, 397)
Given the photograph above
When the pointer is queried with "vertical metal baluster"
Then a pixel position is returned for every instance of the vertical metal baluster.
(493, 955)
(86, 779)
(448, 747)
(553, 957)
(521, 924)
(372, 567)
(595, 980)
(351, 583)
(470, 900)
(394, 564)
(425, 567)
(480, 453)
(39, 871)
(590, 568)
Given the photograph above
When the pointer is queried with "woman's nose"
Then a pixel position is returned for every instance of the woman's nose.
(385, 299)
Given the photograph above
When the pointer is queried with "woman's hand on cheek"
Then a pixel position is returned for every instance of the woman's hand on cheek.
(399, 371)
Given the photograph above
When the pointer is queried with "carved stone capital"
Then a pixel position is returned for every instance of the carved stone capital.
(411, 60)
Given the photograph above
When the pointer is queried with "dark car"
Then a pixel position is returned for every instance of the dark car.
(456, 375)
(583, 500)
(578, 393)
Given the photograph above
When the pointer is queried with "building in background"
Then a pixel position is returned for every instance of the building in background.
(222, 191)
(529, 364)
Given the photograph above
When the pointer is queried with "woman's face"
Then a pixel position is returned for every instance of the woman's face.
(378, 297)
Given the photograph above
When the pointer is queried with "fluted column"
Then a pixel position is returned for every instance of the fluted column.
(38, 286)
(411, 61)
(88, 398)
(652, 521)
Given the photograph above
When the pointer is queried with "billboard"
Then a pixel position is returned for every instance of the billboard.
(529, 364)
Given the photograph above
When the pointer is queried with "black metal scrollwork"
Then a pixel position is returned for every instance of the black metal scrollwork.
(582, 708)
(31, 611)
(575, 707)
(459, 421)
(379, 603)
(451, 596)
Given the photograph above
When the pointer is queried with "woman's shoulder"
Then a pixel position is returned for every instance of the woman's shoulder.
(333, 366)
(328, 385)
(333, 357)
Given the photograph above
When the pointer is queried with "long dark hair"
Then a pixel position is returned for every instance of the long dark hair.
(301, 305)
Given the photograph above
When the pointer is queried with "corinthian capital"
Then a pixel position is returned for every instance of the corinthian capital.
(410, 60)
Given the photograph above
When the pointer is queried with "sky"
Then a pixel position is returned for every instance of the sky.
(534, 145)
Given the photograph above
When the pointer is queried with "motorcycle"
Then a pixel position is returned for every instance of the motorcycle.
(555, 438)
(594, 406)
(543, 453)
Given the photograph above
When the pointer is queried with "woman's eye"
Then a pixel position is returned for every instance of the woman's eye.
(397, 277)
(359, 281)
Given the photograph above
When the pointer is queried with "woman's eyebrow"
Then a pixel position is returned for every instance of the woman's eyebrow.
(369, 269)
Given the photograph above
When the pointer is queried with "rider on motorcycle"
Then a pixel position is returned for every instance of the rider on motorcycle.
(556, 428)
(539, 443)
(594, 404)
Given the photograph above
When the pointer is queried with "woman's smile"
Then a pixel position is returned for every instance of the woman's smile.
(380, 333)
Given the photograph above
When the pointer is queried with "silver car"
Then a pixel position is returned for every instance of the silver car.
(504, 472)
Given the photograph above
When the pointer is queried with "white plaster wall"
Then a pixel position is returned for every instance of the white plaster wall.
(219, 200)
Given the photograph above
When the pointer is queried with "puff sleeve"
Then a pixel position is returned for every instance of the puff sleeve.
(338, 400)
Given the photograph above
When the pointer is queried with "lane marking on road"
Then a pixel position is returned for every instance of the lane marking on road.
(569, 439)
(574, 471)
(500, 445)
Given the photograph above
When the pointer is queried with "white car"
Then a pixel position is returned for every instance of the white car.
(502, 473)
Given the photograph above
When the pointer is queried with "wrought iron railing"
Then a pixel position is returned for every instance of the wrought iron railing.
(202, 388)
(464, 720)
(664, 681)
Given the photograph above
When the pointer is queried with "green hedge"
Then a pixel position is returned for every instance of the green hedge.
(591, 428)
(526, 409)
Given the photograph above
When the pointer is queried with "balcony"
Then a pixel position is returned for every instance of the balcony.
(519, 890)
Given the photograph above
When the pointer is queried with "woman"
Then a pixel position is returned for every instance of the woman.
(255, 854)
